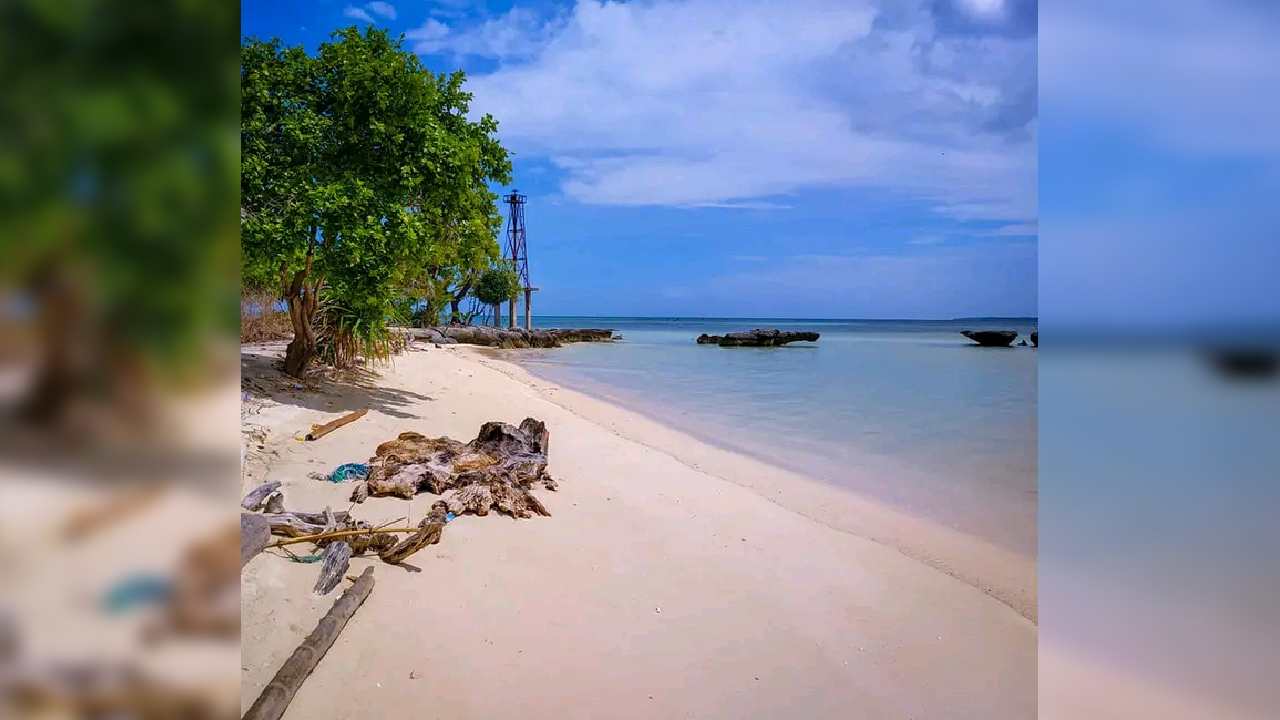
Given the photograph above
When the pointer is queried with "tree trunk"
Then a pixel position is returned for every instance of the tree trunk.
(301, 299)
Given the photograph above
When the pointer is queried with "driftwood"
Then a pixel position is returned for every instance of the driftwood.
(205, 600)
(428, 533)
(319, 431)
(324, 537)
(103, 689)
(274, 503)
(757, 338)
(337, 558)
(299, 524)
(275, 698)
(119, 505)
(257, 497)
(255, 533)
(991, 338)
(360, 492)
(496, 470)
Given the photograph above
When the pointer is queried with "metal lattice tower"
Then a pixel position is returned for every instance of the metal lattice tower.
(518, 253)
(517, 250)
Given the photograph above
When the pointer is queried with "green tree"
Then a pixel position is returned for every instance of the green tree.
(360, 172)
(497, 284)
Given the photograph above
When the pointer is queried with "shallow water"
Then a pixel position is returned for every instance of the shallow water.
(907, 412)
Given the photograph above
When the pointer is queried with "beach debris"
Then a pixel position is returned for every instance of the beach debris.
(319, 431)
(495, 471)
(337, 558)
(204, 600)
(508, 337)
(428, 533)
(257, 497)
(119, 504)
(102, 689)
(300, 524)
(275, 503)
(760, 337)
(275, 698)
(991, 338)
(255, 533)
(360, 492)
(136, 590)
(349, 471)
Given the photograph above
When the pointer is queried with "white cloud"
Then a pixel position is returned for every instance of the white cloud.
(1196, 76)
(720, 102)
(356, 13)
(515, 34)
(385, 9)
(366, 12)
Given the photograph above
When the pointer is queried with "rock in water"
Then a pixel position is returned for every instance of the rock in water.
(1035, 338)
(991, 338)
(757, 338)
(494, 471)
(509, 337)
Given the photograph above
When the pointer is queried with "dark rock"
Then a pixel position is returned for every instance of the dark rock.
(509, 337)
(1035, 338)
(1245, 363)
(991, 338)
(758, 338)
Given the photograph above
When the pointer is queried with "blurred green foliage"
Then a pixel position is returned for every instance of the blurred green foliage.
(118, 192)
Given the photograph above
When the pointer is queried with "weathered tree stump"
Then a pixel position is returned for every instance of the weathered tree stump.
(495, 471)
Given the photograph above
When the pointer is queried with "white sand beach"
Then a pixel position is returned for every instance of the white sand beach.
(673, 579)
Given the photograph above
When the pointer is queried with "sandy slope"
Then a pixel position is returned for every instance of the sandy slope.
(671, 581)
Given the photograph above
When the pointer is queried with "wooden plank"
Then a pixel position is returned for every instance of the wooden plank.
(319, 431)
(278, 693)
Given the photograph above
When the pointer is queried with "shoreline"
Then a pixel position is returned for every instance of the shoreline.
(999, 572)
(654, 567)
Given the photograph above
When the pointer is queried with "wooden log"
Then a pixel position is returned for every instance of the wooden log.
(118, 506)
(255, 533)
(428, 533)
(322, 536)
(300, 524)
(276, 696)
(319, 431)
(257, 497)
(337, 558)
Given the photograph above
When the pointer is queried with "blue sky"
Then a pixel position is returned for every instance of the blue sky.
(1160, 164)
(813, 158)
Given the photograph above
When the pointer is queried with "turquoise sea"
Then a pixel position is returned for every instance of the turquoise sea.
(907, 412)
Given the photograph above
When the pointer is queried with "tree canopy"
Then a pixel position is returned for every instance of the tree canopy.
(362, 178)
(497, 284)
